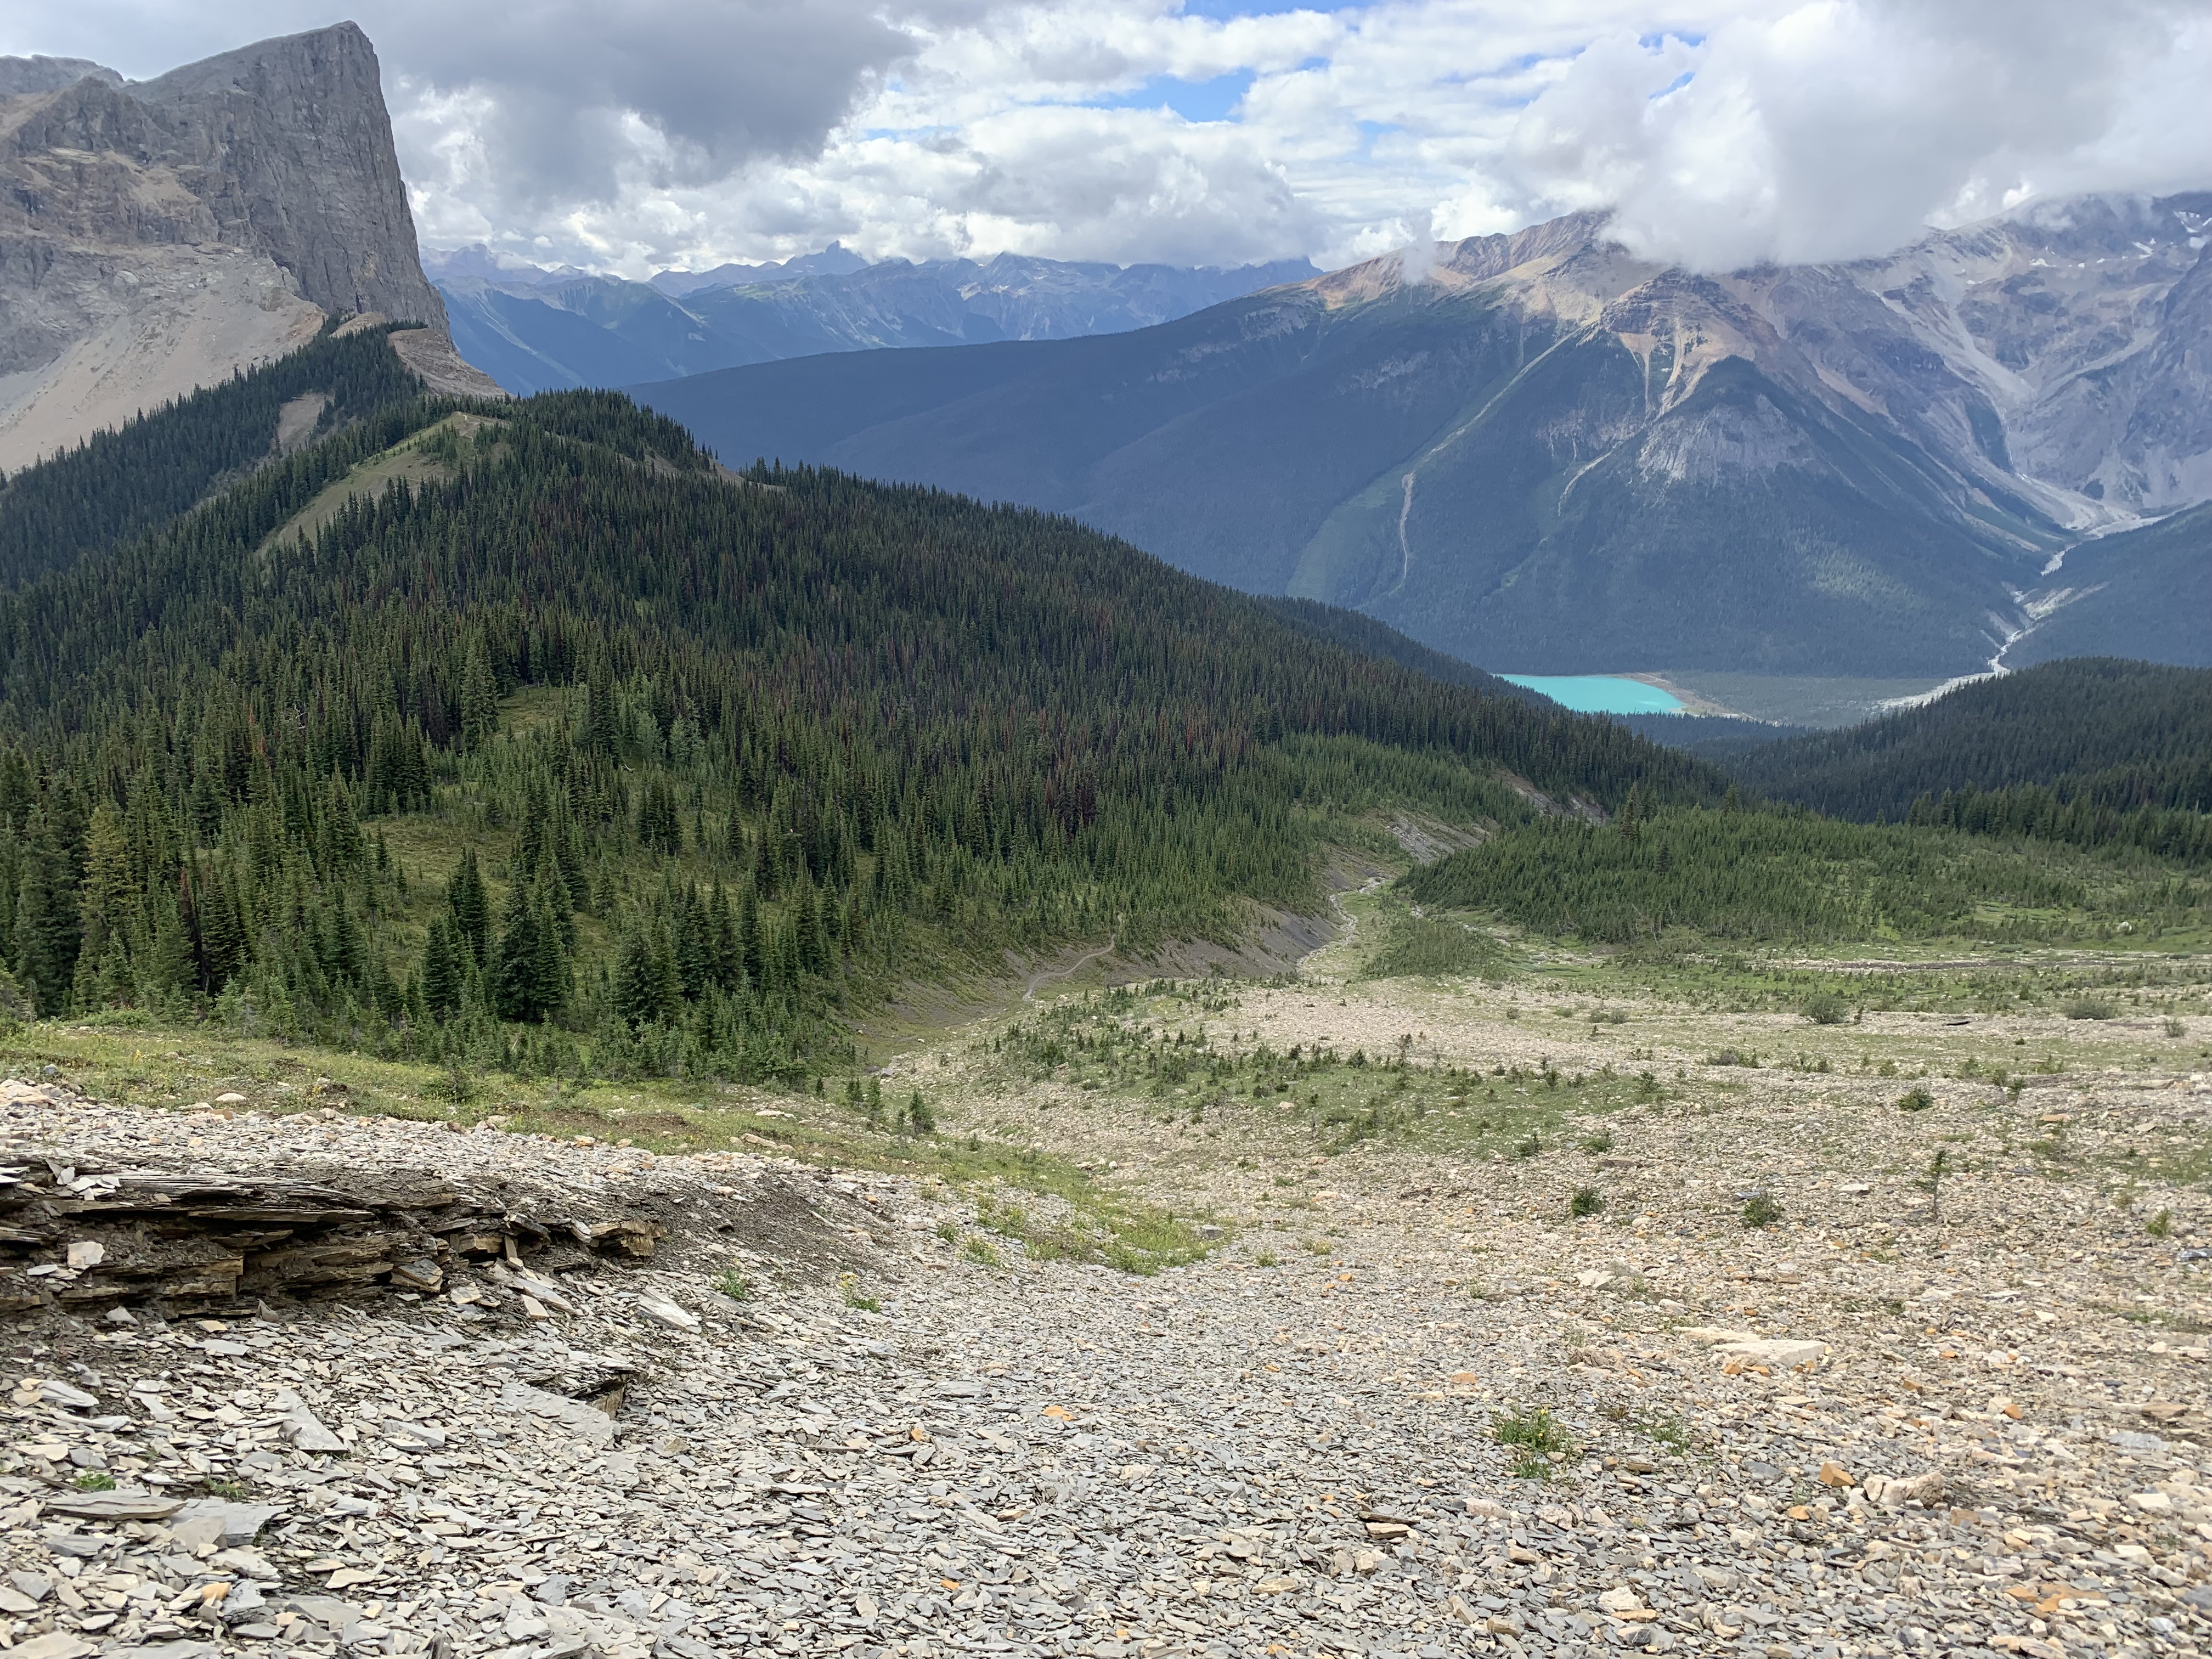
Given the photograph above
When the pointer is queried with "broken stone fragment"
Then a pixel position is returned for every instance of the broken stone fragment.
(246, 1563)
(1784, 1353)
(302, 1427)
(627, 1236)
(420, 1275)
(574, 1415)
(667, 1313)
(219, 1522)
(1895, 1492)
(54, 1392)
(115, 1505)
(1614, 1276)
(54, 1644)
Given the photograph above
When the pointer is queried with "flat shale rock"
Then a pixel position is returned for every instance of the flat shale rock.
(1247, 1456)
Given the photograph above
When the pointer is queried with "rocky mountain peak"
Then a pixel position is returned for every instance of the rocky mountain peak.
(298, 126)
(42, 74)
(159, 236)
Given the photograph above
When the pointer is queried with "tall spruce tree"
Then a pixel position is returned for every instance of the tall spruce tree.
(528, 972)
(443, 980)
(471, 907)
(48, 928)
(479, 696)
(647, 988)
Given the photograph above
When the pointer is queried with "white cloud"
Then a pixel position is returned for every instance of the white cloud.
(692, 131)
(1836, 128)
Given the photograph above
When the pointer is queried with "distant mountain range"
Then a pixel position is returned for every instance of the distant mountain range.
(1543, 454)
(534, 329)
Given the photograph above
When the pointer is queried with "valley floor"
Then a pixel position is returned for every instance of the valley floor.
(1404, 1405)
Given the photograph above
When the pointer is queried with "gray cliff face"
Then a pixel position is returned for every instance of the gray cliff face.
(2064, 345)
(43, 73)
(294, 146)
(156, 236)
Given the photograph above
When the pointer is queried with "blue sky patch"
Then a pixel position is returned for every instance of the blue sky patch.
(1194, 100)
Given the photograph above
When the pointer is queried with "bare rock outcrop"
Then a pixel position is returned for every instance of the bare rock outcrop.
(185, 1237)
(158, 235)
(44, 74)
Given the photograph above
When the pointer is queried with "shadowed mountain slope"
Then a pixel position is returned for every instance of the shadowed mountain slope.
(1548, 456)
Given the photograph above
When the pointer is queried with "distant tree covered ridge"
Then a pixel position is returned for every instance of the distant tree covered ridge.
(2091, 751)
(574, 750)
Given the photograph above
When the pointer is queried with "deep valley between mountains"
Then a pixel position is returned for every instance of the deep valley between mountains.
(905, 1003)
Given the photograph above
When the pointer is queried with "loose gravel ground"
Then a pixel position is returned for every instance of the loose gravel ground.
(1406, 1407)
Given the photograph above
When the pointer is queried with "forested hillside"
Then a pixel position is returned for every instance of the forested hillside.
(1369, 638)
(118, 482)
(1763, 874)
(2090, 751)
(569, 749)
(2142, 592)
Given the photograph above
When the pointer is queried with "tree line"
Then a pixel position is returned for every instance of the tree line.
(116, 483)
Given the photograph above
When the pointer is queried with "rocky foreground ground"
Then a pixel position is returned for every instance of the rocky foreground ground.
(582, 1398)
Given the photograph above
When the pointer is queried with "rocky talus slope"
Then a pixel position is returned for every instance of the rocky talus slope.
(1873, 1426)
(155, 236)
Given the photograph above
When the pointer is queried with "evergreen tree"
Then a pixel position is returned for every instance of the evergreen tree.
(601, 726)
(471, 907)
(647, 989)
(48, 927)
(528, 974)
(659, 829)
(107, 903)
(479, 696)
(443, 978)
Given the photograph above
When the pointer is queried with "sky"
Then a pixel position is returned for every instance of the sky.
(641, 134)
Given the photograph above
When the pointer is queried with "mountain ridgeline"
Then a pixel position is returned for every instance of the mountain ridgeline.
(1543, 454)
(526, 734)
(537, 330)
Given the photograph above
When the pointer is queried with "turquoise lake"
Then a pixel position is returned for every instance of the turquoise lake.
(1600, 694)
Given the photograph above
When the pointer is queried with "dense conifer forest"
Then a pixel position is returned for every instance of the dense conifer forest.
(1765, 873)
(116, 483)
(2092, 751)
(569, 751)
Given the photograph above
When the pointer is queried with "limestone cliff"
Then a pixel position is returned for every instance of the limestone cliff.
(158, 235)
